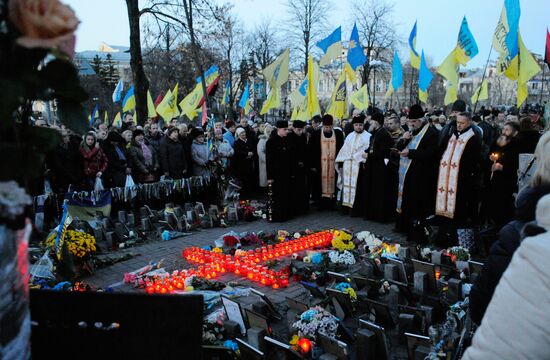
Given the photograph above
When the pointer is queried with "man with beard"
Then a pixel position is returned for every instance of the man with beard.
(418, 151)
(375, 190)
(456, 199)
(297, 142)
(351, 156)
(324, 145)
(278, 166)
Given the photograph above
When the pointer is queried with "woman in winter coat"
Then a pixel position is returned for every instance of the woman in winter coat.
(119, 162)
(145, 162)
(509, 237)
(172, 156)
(515, 325)
(200, 153)
(242, 164)
(224, 149)
(262, 140)
(95, 161)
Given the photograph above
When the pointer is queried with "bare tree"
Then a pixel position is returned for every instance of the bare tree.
(308, 20)
(264, 42)
(141, 84)
(376, 31)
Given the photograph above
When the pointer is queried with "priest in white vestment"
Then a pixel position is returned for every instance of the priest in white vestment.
(350, 157)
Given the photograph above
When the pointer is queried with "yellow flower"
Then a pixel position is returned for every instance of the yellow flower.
(294, 339)
(217, 250)
(352, 293)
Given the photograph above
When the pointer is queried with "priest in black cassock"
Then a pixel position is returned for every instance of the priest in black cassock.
(375, 188)
(418, 151)
(278, 166)
(297, 142)
(324, 145)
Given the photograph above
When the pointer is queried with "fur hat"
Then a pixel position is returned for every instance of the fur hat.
(416, 112)
(328, 120)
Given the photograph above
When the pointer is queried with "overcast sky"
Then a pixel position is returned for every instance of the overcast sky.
(438, 22)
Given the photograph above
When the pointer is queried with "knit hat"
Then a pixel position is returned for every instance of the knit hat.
(239, 131)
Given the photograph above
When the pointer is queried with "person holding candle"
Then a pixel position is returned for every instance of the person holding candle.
(498, 205)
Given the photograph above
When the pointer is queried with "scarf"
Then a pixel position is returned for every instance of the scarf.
(328, 154)
(120, 153)
(147, 155)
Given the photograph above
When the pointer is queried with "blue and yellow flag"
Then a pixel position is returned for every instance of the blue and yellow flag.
(505, 39)
(118, 120)
(396, 75)
(449, 70)
(244, 103)
(415, 58)
(226, 92)
(466, 47)
(276, 73)
(356, 56)
(129, 101)
(424, 79)
(106, 118)
(339, 101)
(331, 46)
(66, 220)
(95, 114)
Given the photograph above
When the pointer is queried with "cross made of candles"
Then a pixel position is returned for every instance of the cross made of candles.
(251, 264)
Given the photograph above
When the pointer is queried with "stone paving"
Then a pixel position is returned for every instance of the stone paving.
(171, 251)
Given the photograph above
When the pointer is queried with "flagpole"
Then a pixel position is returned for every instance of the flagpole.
(483, 78)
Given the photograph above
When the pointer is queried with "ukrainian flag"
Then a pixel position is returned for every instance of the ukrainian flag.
(129, 101)
(505, 39)
(424, 79)
(225, 98)
(396, 75)
(331, 46)
(415, 58)
(360, 98)
(244, 103)
(466, 47)
(356, 56)
(118, 120)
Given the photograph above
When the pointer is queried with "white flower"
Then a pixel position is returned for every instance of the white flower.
(425, 252)
(344, 257)
(297, 235)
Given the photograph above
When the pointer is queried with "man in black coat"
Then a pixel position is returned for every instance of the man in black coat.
(324, 146)
(375, 190)
(172, 156)
(297, 142)
(418, 149)
(458, 186)
(279, 173)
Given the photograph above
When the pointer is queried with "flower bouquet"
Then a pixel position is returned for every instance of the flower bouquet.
(340, 260)
(341, 241)
(316, 321)
(460, 256)
(347, 289)
(77, 247)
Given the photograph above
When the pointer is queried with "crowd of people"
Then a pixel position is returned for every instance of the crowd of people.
(383, 166)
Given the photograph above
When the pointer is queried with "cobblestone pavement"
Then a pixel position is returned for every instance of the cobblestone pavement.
(171, 251)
